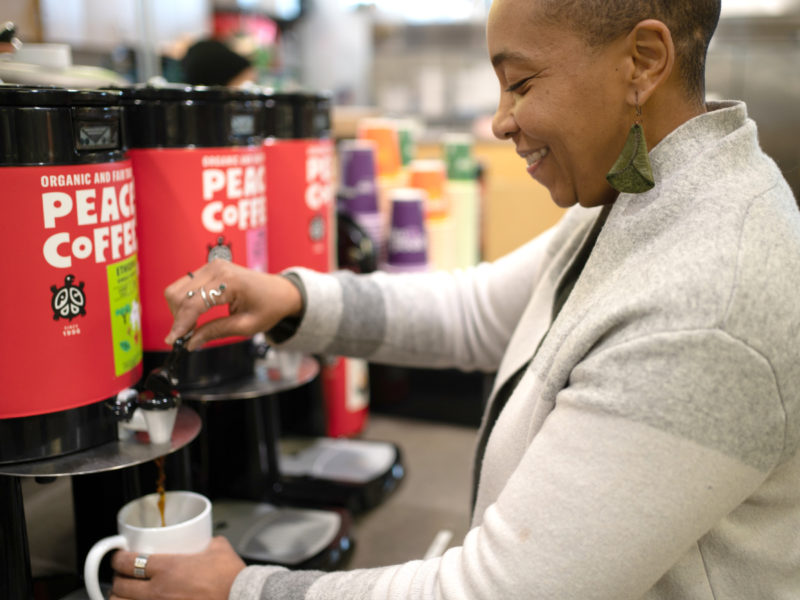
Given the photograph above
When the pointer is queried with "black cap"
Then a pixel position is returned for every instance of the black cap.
(210, 62)
(45, 125)
(182, 116)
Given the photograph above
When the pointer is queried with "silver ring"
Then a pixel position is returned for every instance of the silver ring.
(204, 296)
(139, 565)
(212, 296)
(190, 294)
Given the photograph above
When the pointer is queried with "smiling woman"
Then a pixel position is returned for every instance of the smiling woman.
(575, 75)
(641, 438)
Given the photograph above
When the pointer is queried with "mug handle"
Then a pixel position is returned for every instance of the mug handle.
(92, 563)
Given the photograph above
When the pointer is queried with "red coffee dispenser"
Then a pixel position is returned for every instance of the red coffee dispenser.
(199, 169)
(71, 325)
(301, 203)
(300, 185)
(301, 229)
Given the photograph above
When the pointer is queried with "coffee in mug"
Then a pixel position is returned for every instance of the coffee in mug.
(187, 530)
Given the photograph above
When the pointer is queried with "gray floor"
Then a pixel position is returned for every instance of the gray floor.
(434, 496)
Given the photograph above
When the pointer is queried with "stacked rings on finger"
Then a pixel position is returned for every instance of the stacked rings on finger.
(139, 565)
(204, 296)
(214, 294)
(210, 297)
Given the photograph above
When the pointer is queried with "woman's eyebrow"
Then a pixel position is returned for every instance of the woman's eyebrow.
(506, 56)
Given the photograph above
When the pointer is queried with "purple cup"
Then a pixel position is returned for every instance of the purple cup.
(407, 243)
(359, 188)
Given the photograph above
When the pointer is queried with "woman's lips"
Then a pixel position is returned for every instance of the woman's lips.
(534, 159)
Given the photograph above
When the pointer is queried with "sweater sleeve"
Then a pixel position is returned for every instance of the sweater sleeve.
(652, 443)
(460, 319)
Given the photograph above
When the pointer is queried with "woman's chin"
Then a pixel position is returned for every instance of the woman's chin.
(563, 200)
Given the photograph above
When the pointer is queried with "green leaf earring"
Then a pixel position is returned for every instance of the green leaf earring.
(632, 172)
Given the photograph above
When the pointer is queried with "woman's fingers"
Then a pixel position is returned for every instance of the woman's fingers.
(125, 584)
(207, 575)
(256, 302)
(191, 296)
(122, 562)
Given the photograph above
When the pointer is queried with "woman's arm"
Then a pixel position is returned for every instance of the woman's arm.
(462, 319)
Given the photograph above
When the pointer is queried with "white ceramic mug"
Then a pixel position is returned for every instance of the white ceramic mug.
(188, 530)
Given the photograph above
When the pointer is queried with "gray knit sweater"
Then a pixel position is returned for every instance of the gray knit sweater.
(650, 448)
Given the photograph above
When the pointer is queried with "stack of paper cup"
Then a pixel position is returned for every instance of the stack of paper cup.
(358, 187)
(464, 193)
(407, 244)
(407, 139)
(383, 132)
(430, 175)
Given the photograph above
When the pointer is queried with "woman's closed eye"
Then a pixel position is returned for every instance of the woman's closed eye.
(515, 87)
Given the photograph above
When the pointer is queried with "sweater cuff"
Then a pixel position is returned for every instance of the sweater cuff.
(250, 582)
(321, 314)
(286, 328)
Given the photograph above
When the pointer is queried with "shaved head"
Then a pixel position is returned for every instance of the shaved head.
(691, 22)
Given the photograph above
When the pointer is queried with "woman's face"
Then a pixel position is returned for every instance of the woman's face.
(561, 102)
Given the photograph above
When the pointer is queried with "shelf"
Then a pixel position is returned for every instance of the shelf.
(110, 456)
(258, 385)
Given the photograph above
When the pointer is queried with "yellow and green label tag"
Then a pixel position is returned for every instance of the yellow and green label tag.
(126, 316)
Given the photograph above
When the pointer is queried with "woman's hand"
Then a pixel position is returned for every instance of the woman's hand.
(208, 575)
(256, 302)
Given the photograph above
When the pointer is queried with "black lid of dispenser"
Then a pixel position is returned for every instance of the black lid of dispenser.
(299, 115)
(181, 116)
(44, 125)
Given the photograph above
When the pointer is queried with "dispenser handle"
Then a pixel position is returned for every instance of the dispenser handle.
(176, 355)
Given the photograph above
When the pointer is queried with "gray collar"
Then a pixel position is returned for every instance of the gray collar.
(696, 135)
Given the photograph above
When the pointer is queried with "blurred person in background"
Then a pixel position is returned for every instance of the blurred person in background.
(211, 62)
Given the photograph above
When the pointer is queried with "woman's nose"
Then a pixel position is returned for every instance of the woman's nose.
(503, 123)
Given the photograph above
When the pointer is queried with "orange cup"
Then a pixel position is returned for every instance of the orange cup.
(431, 176)
(384, 133)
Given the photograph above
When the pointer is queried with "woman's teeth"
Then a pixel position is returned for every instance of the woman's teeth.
(537, 156)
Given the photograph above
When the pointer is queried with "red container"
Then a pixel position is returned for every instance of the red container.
(71, 330)
(345, 386)
(197, 204)
(200, 175)
(300, 183)
(74, 240)
(300, 230)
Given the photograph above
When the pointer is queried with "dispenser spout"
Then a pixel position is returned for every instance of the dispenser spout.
(159, 416)
(160, 398)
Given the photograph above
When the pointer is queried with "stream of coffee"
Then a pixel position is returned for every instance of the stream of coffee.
(160, 488)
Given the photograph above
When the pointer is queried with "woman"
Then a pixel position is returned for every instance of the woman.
(641, 439)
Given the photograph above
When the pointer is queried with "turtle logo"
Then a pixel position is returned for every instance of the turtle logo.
(220, 250)
(68, 301)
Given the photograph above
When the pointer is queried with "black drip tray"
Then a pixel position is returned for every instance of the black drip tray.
(280, 535)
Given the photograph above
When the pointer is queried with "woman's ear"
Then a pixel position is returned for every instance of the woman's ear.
(653, 53)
